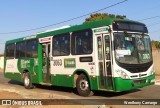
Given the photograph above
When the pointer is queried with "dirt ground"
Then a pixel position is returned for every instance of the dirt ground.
(10, 94)
(13, 95)
(157, 78)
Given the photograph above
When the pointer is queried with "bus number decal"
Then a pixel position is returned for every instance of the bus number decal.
(57, 62)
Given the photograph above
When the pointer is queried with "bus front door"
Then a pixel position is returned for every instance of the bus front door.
(46, 63)
(104, 62)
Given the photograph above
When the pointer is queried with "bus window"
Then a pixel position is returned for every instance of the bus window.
(20, 50)
(107, 47)
(61, 45)
(82, 42)
(99, 40)
(32, 48)
(10, 51)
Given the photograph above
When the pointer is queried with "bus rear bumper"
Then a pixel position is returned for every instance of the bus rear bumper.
(129, 84)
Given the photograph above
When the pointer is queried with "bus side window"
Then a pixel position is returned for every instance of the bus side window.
(99, 42)
(10, 49)
(32, 48)
(82, 42)
(107, 46)
(20, 49)
(61, 45)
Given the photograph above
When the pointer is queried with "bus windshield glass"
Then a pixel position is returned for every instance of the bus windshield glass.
(132, 48)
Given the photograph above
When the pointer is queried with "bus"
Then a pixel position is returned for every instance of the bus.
(109, 55)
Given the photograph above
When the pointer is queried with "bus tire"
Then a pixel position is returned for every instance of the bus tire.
(83, 86)
(27, 81)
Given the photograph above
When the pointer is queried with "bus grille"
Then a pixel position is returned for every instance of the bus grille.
(137, 70)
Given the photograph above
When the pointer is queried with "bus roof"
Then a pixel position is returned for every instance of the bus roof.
(53, 32)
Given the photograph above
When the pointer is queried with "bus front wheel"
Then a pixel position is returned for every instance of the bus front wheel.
(27, 81)
(83, 86)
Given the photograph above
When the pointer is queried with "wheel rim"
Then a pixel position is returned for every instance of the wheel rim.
(26, 81)
(84, 85)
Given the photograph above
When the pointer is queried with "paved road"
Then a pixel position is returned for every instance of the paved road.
(151, 92)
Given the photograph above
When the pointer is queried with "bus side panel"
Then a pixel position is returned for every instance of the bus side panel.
(14, 76)
(68, 81)
(11, 70)
(94, 83)
(64, 76)
(30, 65)
(18, 77)
(40, 65)
(9, 75)
(14, 69)
(34, 72)
(62, 80)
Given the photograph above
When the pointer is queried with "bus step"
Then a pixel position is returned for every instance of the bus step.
(46, 84)
(106, 89)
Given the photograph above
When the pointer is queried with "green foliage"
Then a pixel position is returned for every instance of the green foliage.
(156, 43)
(101, 16)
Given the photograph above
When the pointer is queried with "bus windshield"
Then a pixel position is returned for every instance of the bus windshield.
(132, 48)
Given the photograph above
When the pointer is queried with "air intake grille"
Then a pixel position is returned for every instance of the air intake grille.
(137, 70)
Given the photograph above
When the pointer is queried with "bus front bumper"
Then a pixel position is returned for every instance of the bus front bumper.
(129, 84)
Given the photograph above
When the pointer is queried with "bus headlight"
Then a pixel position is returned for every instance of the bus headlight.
(152, 71)
(122, 74)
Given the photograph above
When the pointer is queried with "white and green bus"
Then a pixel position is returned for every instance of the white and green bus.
(109, 55)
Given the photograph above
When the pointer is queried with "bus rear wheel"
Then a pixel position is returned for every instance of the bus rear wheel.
(27, 81)
(83, 86)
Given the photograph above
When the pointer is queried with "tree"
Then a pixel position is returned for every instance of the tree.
(101, 16)
(156, 43)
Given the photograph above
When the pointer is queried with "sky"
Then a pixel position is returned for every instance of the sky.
(19, 15)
